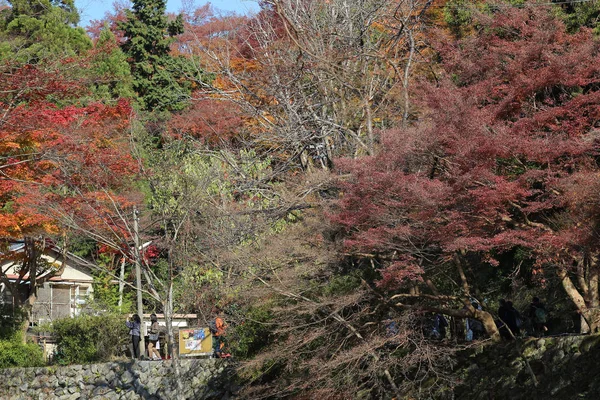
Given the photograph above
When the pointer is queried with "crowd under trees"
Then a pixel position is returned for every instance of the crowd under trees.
(318, 170)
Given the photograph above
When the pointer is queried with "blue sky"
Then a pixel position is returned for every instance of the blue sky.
(95, 9)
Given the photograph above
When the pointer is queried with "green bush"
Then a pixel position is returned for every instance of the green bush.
(340, 285)
(10, 321)
(87, 339)
(458, 15)
(253, 333)
(13, 353)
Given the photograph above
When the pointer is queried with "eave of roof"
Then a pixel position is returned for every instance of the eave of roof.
(25, 279)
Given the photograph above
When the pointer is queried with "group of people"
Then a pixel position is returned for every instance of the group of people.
(511, 322)
(134, 325)
(217, 329)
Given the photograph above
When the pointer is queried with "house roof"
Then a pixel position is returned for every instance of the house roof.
(77, 269)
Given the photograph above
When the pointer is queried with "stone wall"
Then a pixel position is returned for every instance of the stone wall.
(561, 368)
(202, 379)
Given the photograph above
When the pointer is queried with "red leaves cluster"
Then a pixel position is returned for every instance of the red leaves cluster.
(505, 154)
(57, 157)
(399, 273)
(211, 121)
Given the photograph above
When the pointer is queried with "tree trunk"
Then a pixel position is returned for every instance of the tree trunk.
(588, 312)
(31, 255)
(489, 324)
(405, 83)
(29, 265)
(369, 127)
(591, 320)
(27, 308)
(121, 283)
(171, 342)
(305, 161)
(485, 317)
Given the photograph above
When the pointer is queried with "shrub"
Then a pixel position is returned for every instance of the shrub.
(253, 333)
(13, 353)
(10, 321)
(87, 339)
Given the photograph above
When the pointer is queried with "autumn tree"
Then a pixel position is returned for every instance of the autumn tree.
(57, 155)
(359, 58)
(215, 116)
(316, 78)
(505, 150)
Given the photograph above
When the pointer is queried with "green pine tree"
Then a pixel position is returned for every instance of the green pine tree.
(35, 30)
(109, 68)
(162, 81)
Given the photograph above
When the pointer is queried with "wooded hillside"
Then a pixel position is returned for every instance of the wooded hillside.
(337, 176)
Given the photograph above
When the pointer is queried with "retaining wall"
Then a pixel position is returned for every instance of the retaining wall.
(202, 379)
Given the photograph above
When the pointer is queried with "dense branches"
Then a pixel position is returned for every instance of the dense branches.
(341, 169)
(509, 134)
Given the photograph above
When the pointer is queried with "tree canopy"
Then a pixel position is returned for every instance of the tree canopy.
(161, 80)
(47, 28)
(338, 176)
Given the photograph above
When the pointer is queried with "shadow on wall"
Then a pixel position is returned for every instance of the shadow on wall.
(202, 379)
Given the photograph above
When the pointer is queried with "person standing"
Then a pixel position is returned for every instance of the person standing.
(474, 325)
(503, 317)
(538, 315)
(153, 333)
(513, 319)
(134, 325)
(439, 326)
(217, 328)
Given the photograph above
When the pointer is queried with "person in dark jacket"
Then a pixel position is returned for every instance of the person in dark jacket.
(513, 319)
(439, 326)
(538, 315)
(503, 312)
(474, 325)
(134, 325)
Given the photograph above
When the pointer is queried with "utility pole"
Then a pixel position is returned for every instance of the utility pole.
(121, 283)
(138, 279)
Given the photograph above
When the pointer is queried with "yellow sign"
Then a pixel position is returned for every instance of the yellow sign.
(195, 342)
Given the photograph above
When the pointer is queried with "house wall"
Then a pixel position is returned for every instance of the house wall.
(59, 300)
(59, 297)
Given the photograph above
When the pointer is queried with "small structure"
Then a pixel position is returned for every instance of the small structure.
(190, 341)
(196, 342)
(60, 296)
(178, 321)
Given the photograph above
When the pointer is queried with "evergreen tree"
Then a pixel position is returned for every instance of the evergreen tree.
(162, 81)
(109, 68)
(33, 30)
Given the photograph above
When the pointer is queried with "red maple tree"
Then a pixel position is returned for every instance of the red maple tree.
(504, 156)
(62, 161)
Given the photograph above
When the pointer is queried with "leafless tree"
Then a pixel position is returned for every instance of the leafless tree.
(319, 77)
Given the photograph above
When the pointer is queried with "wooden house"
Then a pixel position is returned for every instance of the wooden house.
(60, 296)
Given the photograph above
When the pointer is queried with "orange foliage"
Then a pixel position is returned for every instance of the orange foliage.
(56, 159)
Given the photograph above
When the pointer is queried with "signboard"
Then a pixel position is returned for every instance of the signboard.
(195, 342)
